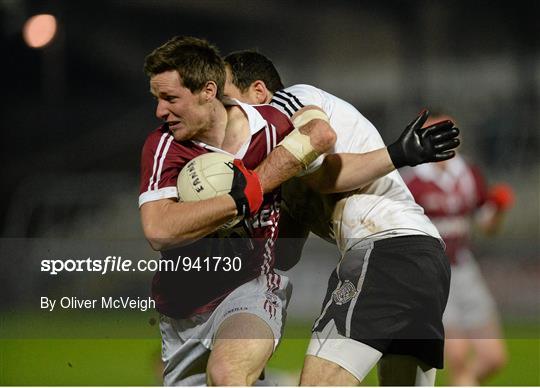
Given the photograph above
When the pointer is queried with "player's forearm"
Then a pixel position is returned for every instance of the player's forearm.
(278, 167)
(168, 224)
(350, 171)
(489, 219)
(500, 199)
(281, 165)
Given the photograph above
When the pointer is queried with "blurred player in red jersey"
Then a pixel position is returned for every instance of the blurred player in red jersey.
(454, 195)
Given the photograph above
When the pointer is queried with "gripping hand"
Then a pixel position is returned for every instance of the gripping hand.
(418, 145)
(246, 189)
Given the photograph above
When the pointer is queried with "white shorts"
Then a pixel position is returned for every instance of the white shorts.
(470, 304)
(354, 356)
(186, 343)
(358, 359)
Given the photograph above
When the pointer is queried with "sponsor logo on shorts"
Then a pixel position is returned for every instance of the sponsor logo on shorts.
(345, 293)
(236, 309)
(271, 297)
(271, 304)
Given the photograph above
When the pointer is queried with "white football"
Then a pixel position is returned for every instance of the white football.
(207, 176)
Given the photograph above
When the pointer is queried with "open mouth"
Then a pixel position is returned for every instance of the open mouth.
(173, 125)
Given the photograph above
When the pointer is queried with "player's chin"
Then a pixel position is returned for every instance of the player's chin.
(180, 133)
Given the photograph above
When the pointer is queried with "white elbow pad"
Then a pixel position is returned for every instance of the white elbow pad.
(308, 115)
(299, 144)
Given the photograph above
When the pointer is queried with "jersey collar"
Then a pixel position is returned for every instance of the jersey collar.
(256, 123)
(255, 120)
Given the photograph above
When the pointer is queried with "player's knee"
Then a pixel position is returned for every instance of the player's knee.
(456, 354)
(456, 361)
(223, 373)
(310, 378)
(495, 360)
(318, 371)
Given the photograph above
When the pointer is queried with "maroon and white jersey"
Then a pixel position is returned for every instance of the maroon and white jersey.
(180, 293)
(450, 197)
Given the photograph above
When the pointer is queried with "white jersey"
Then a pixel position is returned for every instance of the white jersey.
(382, 209)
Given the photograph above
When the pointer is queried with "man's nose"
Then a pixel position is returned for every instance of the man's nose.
(161, 110)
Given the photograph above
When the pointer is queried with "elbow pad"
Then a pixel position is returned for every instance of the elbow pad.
(298, 144)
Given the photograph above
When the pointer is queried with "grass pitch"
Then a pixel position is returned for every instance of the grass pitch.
(79, 352)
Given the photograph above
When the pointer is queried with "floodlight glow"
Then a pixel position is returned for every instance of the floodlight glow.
(39, 30)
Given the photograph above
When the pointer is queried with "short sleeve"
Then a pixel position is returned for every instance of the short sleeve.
(159, 171)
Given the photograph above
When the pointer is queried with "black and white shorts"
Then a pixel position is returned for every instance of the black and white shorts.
(389, 294)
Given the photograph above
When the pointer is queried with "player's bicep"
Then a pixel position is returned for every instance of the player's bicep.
(323, 179)
(153, 215)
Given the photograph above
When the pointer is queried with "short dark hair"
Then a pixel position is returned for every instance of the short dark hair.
(196, 60)
(248, 66)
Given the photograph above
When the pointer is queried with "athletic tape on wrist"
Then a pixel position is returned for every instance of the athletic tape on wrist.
(299, 144)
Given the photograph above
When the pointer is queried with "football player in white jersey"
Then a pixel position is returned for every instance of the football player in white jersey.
(386, 297)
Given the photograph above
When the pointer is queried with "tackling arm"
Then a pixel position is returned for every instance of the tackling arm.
(416, 145)
(348, 171)
(282, 164)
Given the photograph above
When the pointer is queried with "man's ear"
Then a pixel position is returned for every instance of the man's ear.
(209, 91)
(261, 94)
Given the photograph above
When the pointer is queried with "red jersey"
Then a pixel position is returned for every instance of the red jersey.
(181, 293)
(449, 197)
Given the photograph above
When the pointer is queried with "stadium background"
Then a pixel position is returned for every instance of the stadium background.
(75, 115)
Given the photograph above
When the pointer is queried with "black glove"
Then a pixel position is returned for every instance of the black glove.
(418, 145)
(246, 189)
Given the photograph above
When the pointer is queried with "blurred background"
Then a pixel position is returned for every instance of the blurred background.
(76, 110)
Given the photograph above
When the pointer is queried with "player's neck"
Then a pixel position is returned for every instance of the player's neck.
(237, 129)
(214, 135)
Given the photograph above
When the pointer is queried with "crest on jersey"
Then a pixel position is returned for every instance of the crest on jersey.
(345, 293)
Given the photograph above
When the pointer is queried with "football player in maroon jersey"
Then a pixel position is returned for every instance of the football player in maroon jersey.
(455, 197)
(214, 319)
